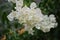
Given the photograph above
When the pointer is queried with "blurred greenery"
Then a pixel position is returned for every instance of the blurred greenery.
(47, 7)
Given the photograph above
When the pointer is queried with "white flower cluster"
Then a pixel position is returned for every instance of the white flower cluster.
(32, 17)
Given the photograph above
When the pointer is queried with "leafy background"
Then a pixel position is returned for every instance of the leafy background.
(8, 29)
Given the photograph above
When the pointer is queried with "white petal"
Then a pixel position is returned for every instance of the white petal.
(10, 17)
(19, 3)
(37, 26)
(52, 18)
(33, 5)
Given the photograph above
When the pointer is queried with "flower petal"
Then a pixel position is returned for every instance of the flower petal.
(33, 5)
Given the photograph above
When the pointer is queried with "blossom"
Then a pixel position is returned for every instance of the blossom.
(32, 17)
(12, 15)
(19, 3)
(48, 23)
(33, 5)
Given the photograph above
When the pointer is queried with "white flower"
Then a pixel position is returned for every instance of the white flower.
(37, 26)
(19, 3)
(12, 15)
(33, 5)
(29, 17)
(32, 17)
(52, 18)
(47, 23)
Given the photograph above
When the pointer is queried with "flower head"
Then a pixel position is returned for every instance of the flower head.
(32, 17)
